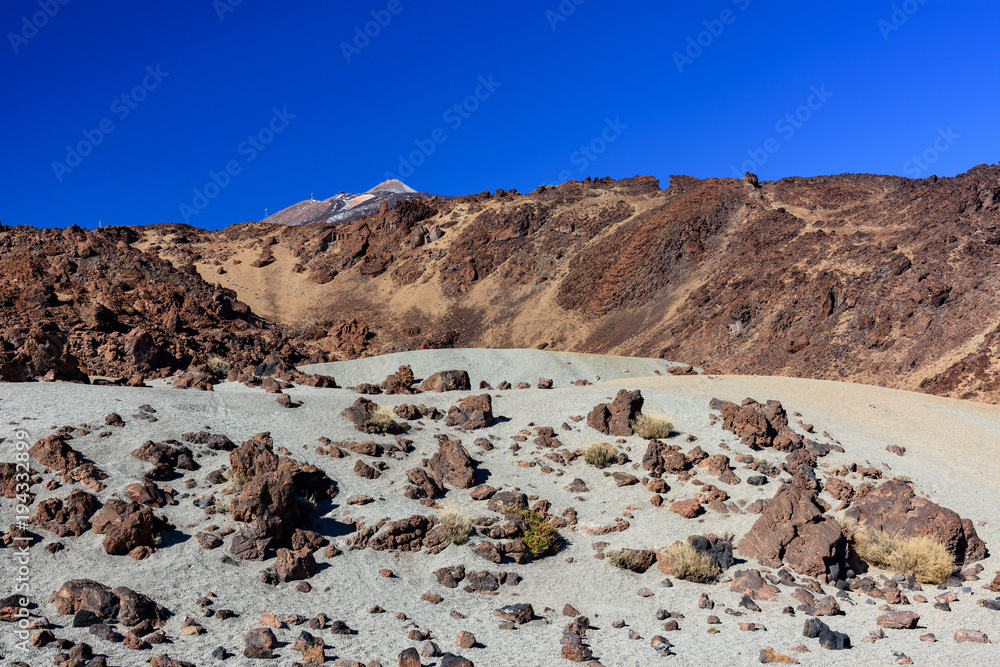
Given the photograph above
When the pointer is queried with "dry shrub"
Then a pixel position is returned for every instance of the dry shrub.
(923, 557)
(381, 416)
(652, 425)
(456, 526)
(621, 558)
(687, 563)
(218, 365)
(600, 454)
(236, 483)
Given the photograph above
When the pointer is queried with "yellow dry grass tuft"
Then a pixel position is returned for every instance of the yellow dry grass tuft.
(687, 563)
(923, 557)
(456, 526)
(381, 416)
(600, 454)
(652, 425)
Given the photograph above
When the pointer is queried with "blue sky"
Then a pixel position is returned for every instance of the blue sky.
(211, 111)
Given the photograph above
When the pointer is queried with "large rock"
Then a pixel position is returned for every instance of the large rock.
(451, 464)
(447, 381)
(758, 425)
(86, 595)
(615, 418)
(69, 516)
(472, 412)
(793, 529)
(409, 534)
(127, 525)
(362, 414)
(294, 565)
(141, 350)
(893, 507)
(661, 457)
(271, 499)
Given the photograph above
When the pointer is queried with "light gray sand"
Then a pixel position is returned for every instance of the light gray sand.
(952, 447)
(494, 366)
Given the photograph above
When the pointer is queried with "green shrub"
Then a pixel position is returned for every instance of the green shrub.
(540, 537)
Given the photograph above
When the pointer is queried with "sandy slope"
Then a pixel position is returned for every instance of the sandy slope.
(495, 366)
(951, 446)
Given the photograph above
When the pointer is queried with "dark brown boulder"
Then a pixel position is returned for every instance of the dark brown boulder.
(294, 565)
(259, 643)
(472, 412)
(428, 486)
(893, 507)
(363, 415)
(400, 382)
(53, 452)
(127, 525)
(793, 529)
(403, 535)
(758, 425)
(68, 516)
(134, 608)
(141, 350)
(86, 595)
(452, 465)
(615, 418)
(271, 497)
(447, 381)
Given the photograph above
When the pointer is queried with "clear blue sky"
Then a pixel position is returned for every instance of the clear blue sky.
(628, 82)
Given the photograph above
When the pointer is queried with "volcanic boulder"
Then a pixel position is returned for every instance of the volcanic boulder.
(127, 525)
(447, 381)
(615, 418)
(792, 528)
(472, 412)
(451, 464)
(271, 498)
(68, 516)
(758, 425)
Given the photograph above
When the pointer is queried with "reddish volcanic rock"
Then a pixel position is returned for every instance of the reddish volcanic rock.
(793, 530)
(471, 412)
(452, 465)
(615, 418)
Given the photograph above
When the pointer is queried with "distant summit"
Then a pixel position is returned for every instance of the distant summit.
(392, 185)
(346, 206)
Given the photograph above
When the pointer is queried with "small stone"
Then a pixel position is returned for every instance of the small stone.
(466, 639)
(975, 636)
(769, 655)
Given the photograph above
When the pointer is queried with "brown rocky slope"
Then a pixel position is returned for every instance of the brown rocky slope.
(855, 277)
